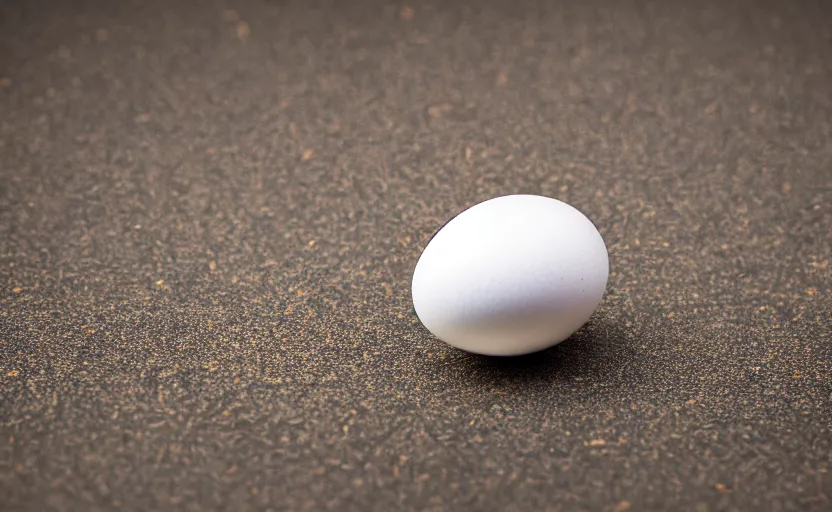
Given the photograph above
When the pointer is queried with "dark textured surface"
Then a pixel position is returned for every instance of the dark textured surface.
(211, 211)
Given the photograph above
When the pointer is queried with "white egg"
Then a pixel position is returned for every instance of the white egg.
(511, 275)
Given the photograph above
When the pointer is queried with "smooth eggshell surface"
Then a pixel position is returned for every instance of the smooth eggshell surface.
(511, 275)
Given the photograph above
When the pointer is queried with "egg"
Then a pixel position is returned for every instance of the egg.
(512, 275)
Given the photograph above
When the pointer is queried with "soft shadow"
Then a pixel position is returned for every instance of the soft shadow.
(591, 353)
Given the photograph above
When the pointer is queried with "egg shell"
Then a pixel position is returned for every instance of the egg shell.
(512, 275)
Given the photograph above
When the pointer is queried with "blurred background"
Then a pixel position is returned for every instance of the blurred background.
(210, 212)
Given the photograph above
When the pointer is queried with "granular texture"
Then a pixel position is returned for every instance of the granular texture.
(210, 213)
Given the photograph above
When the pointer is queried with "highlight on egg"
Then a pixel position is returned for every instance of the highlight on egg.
(511, 275)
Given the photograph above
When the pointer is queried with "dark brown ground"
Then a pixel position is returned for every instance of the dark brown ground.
(210, 212)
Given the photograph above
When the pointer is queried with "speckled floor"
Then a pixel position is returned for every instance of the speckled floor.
(210, 212)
